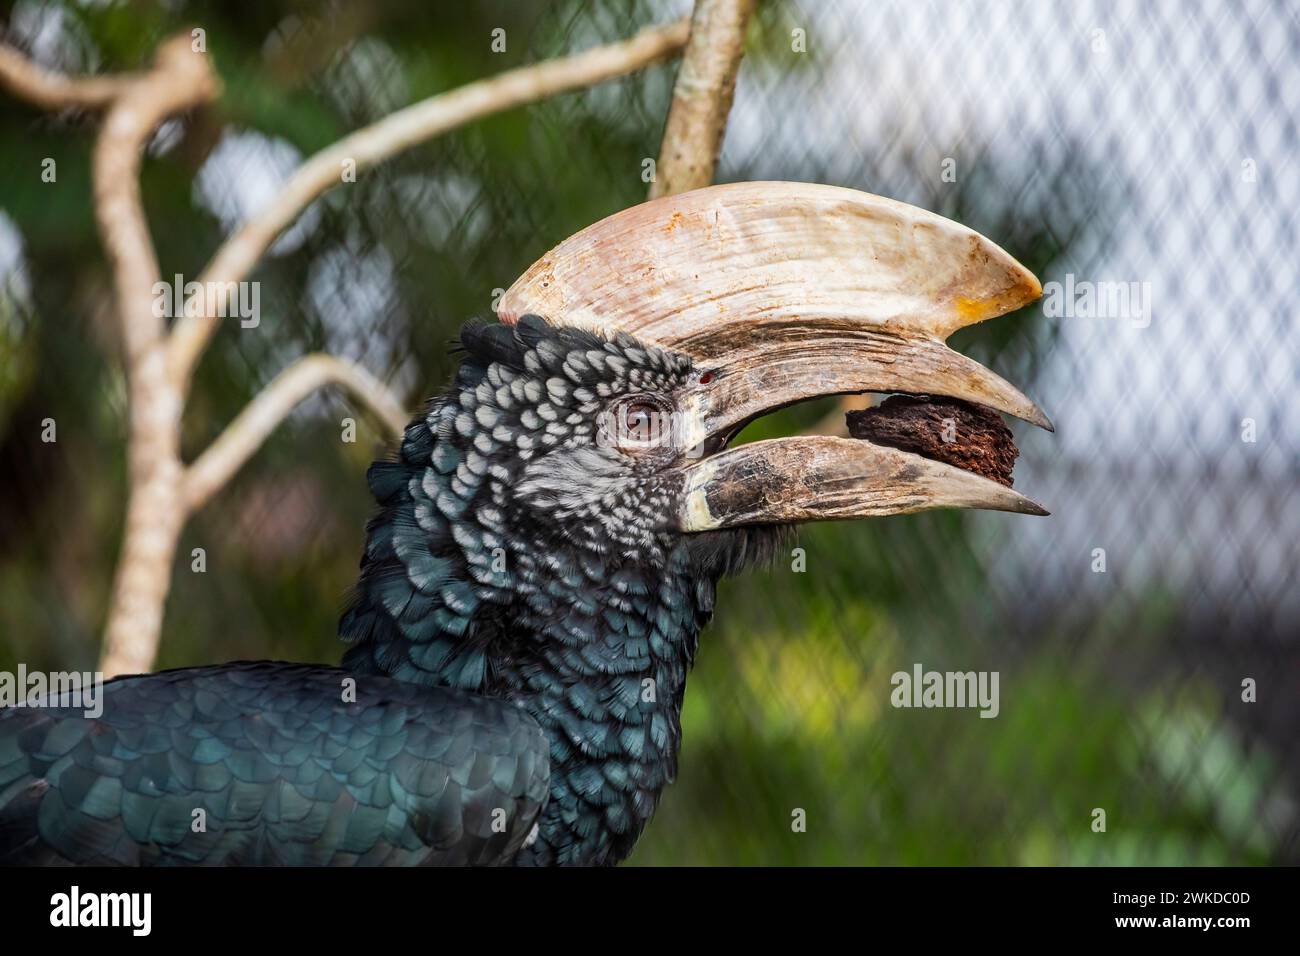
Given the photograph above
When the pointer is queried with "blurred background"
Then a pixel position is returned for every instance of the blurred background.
(1149, 142)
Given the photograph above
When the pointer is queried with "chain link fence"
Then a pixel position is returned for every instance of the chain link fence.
(1140, 158)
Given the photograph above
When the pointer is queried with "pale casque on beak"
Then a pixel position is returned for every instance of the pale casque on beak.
(782, 292)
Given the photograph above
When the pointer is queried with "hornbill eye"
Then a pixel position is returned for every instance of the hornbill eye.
(640, 424)
(639, 420)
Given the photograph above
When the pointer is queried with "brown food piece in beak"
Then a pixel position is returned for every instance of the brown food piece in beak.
(958, 433)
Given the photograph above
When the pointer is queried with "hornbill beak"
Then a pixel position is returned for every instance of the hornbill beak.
(783, 292)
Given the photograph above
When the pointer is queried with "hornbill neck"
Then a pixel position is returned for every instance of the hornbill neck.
(595, 647)
(611, 706)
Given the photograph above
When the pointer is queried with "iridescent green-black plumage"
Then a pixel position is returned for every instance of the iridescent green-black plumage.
(266, 763)
(522, 630)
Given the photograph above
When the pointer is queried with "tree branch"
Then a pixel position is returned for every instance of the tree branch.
(159, 365)
(180, 79)
(48, 90)
(706, 84)
(398, 131)
(251, 427)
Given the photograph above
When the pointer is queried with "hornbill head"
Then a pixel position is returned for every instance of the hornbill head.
(554, 525)
(576, 476)
(729, 302)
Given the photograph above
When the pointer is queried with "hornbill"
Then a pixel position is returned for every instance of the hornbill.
(547, 545)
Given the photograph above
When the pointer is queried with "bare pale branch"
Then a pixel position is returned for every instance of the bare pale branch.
(243, 436)
(50, 90)
(702, 95)
(179, 79)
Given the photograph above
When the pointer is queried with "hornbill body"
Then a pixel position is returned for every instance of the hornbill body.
(548, 542)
